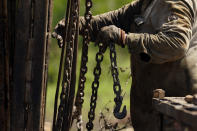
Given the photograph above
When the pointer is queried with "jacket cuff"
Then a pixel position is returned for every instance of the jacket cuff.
(136, 46)
(122, 38)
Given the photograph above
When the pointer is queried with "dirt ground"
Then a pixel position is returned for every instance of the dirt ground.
(48, 126)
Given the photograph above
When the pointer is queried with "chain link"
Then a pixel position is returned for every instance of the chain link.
(95, 85)
(68, 66)
(61, 64)
(116, 85)
(83, 69)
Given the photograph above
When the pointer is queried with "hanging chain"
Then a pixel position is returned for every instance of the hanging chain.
(68, 111)
(61, 64)
(95, 85)
(116, 85)
(68, 66)
(83, 69)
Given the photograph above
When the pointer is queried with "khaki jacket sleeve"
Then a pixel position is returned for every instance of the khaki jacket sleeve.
(172, 40)
(121, 18)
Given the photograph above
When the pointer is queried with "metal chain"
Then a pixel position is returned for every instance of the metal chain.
(61, 64)
(83, 69)
(116, 85)
(68, 66)
(68, 111)
(95, 85)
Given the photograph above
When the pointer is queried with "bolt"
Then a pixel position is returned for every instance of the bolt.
(195, 99)
(189, 98)
(159, 93)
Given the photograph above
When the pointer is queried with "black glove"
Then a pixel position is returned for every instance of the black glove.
(59, 32)
(111, 34)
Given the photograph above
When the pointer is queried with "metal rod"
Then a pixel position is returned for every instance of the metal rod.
(60, 65)
(68, 119)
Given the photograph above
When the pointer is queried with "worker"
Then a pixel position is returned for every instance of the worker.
(162, 40)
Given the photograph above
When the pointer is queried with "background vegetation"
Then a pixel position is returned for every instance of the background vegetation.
(105, 93)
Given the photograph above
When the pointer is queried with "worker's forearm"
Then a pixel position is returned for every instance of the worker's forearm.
(121, 18)
(159, 48)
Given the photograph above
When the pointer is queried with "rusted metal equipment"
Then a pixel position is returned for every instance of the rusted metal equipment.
(79, 99)
(176, 114)
(64, 117)
(24, 51)
(116, 85)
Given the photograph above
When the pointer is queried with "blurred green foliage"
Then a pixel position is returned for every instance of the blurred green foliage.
(105, 90)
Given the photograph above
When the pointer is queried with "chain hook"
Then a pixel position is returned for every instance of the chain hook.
(117, 87)
(117, 113)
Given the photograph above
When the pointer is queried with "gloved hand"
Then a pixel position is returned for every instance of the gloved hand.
(59, 31)
(111, 34)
